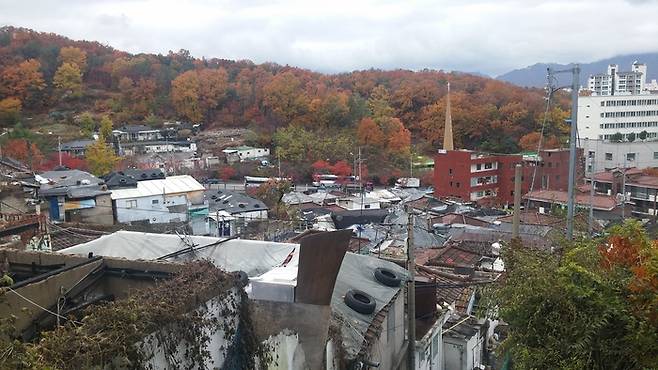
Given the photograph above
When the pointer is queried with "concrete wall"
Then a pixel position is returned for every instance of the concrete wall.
(100, 215)
(594, 152)
(429, 350)
(217, 345)
(462, 354)
(298, 332)
(155, 213)
(44, 293)
(388, 348)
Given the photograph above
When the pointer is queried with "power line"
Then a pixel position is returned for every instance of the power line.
(43, 308)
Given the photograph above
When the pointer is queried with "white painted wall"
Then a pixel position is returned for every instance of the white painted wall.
(590, 120)
(216, 346)
(461, 354)
(147, 210)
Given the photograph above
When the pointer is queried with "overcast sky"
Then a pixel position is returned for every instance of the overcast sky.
(491, 37)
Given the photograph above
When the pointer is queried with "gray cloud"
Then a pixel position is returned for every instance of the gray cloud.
(487, 36)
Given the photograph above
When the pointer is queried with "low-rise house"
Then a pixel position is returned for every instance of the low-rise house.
(358, 203)
(74, 195)
(641, 188)
(605, 206)
(9, 166)
(293, 290)
(463, 343)
(244, 153)
(128, 178)
(131, 133)
(230, 211)
(76, 148)
(368, 313)
(172, 199)
(96, 297)
(158, 146)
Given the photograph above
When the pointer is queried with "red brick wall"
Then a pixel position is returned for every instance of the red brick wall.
(452, 174)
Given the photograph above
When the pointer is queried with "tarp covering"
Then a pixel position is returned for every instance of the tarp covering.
(254, 257)
(358, 272)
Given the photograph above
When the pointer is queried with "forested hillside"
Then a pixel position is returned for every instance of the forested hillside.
(48, 81)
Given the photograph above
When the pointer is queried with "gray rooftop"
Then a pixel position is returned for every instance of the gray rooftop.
(357, 272)
(232, 202)
(254, 257)
(77, 144)
(72, 183)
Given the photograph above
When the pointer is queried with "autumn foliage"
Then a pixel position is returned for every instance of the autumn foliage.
(306, 116)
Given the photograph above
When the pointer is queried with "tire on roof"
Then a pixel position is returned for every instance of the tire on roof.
(360, 301)
(387, 277)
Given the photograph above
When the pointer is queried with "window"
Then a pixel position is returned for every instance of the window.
(630, 156)
(450, 183)
(488, 166)
(155, 201)
(457, 184)
(131, 203)
(450, 171)
(590, 154)
(655, 155)
(608, 156)
(478, 166)
(435, 346)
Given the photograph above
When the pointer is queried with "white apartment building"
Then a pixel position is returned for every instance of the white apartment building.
(616, 82)
(618, 123)
(601, 117)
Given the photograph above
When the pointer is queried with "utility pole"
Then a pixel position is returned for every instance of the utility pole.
(59, 150)
(573, 150)
(623, 192)
(575, 85)
(590, 220)
(517, 201)
(360, 179)
(411, 292)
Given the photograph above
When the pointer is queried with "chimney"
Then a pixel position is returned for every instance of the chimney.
(447, 136)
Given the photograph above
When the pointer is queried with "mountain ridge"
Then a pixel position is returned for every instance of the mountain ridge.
(535, 75)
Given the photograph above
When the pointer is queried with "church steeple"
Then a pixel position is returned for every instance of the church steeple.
(447, 135)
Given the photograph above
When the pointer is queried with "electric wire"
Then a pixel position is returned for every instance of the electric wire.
(43, 308)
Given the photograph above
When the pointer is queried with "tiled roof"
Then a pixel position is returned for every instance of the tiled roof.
(607, 176)
(644, 181)
(532, 218)
(600, 202)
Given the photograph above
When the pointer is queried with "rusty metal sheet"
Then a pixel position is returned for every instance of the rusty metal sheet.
(320, 257)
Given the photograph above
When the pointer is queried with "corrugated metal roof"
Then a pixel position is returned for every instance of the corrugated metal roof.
(169, 185)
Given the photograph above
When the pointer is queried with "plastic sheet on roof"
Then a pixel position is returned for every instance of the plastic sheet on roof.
(357, 272)
(254, 257)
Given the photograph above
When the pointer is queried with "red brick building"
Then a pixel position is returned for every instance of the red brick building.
(489, 178)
